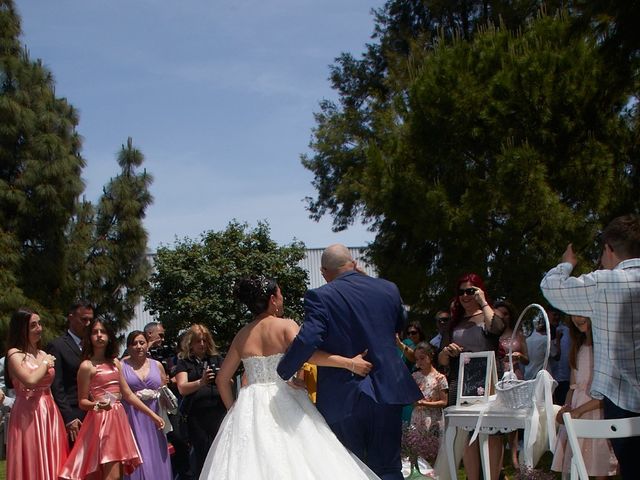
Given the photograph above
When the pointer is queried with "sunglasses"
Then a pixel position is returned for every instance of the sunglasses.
(412, 332)
(466, 291)
(443, 319)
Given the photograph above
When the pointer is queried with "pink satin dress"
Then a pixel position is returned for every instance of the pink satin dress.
(37, 446)
(105, 435)
(597, 453)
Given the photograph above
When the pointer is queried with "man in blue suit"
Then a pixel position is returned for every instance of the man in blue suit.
(350, 314)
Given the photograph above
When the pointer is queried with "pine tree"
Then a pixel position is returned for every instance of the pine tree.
(40, 167)
(54, 246)
(117, 266)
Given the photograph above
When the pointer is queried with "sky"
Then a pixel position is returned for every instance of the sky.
(219, 96)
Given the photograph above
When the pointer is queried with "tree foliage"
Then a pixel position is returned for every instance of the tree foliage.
(489, 153)
(55, 246)
(193, 281)
(112, 267)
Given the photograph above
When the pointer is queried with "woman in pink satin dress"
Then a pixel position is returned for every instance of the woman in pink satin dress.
(37, 443)
(105, 447)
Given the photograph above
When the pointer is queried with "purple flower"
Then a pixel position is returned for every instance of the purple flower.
(526, 473)
(421, 442)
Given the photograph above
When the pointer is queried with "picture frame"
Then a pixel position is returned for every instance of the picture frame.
(477, 376)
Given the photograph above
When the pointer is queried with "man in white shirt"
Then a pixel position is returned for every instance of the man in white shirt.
(611, 298)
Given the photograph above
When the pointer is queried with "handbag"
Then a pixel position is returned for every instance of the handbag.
(168, 399)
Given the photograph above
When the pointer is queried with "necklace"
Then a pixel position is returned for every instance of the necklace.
(467, 317)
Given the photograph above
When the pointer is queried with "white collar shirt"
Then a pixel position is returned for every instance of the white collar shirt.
(76, 339)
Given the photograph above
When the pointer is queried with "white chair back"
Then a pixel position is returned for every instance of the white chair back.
(577, 428)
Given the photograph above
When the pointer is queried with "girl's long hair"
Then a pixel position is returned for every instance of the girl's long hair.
(111, 350)
(577, 340)
(18, 335)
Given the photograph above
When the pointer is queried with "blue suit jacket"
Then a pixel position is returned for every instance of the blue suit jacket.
(352, 313)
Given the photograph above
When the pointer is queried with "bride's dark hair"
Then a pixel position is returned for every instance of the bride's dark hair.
(255, 292)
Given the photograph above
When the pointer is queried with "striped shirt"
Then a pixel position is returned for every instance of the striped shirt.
(611, 298)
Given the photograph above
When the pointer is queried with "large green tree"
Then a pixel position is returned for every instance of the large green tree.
(193, 280)
(54, 245)
(488, 155)
(368, 84)
(40, 166)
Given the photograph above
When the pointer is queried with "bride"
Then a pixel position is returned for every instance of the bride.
(273, 431)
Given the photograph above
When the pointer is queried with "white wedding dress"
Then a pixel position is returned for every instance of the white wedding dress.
(274, 432)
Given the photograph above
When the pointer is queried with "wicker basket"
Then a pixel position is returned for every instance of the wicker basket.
(510, 391)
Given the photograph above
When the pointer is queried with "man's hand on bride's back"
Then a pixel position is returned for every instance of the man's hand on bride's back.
(360, 366)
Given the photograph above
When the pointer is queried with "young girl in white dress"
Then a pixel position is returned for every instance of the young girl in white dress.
(273, 430)
(597, 453)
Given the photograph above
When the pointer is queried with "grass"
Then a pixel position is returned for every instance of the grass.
(544, 464)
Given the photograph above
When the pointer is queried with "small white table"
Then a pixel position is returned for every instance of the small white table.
(496, 420)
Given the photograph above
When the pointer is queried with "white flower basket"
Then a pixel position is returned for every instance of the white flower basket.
(510, 391)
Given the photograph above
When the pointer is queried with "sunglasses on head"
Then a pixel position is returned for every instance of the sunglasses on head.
(466, 291)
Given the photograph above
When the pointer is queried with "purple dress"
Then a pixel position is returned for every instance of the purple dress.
(152, 442)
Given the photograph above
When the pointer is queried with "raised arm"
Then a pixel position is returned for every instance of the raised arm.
(27, 376)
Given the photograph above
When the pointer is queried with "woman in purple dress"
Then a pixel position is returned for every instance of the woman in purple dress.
(145, 376)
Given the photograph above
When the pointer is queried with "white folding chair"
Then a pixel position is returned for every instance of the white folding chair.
(577, 428)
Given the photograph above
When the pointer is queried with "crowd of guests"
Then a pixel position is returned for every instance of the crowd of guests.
(79, 411)
(595, 374)
(474, 323)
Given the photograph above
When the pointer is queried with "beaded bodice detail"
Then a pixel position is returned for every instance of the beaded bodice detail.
(262, 369)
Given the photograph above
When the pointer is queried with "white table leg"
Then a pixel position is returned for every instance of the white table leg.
(527, 451)
(483, 439)
(450, 440)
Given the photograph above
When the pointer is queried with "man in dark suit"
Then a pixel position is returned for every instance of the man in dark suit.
(67, 350)
(350, 314)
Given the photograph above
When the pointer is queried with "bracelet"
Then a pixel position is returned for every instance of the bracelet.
(96, 407)
(353, 366)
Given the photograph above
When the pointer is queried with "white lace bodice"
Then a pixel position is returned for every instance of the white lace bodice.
(262, 369)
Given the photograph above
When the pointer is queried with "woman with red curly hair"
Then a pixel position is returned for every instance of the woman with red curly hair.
(474, 327)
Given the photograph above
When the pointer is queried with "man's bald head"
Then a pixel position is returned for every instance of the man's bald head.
(335, 260)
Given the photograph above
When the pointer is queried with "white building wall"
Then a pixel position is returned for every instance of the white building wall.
(310, 263)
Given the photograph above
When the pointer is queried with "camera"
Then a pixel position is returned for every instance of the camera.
(213, 364)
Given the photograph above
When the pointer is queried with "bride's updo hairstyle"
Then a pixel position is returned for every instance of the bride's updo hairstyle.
(255, 292)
